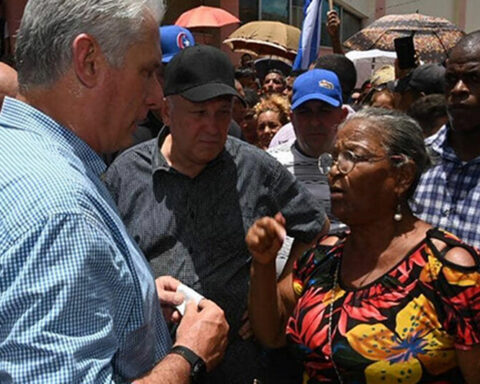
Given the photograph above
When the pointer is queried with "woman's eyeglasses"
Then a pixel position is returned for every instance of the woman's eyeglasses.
(346, 160)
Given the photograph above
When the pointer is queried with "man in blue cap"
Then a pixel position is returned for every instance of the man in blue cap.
(316, 112)
(173, 39)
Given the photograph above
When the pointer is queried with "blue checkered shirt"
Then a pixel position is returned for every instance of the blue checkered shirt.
(78, 302)
(448, 195)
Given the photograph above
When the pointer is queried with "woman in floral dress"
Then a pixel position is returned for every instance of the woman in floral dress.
(392, 301)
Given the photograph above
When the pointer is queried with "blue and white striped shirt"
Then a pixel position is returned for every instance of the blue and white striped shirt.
(448, 195)
(78, 302)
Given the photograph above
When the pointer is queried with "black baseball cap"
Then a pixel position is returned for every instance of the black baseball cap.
(427, 78)
(200, 73)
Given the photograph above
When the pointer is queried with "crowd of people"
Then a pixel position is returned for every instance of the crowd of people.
(331, 232)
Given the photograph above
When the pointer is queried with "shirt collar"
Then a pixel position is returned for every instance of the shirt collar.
(438, 143)
(16, 113)
(159, 162)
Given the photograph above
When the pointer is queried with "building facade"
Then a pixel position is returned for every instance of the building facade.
(355, 14)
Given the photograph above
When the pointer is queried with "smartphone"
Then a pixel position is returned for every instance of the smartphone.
(405, 52)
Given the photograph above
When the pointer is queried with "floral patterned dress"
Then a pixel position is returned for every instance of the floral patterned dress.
(402, 328)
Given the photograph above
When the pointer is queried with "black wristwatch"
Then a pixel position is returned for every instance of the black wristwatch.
(198, 367)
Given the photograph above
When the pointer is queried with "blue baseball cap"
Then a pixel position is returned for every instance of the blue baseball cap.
(173, 39)
(317, 84)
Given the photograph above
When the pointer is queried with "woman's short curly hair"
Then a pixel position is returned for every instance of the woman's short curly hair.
(275, 103)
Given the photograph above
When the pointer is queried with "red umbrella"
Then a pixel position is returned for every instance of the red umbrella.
(206, 17)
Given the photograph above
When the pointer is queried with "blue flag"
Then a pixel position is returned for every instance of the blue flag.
(310, 37)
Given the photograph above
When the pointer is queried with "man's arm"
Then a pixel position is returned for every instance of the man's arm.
(271, 303)
(58, 303)
(333, 29)
(203, 330)
(67, 297)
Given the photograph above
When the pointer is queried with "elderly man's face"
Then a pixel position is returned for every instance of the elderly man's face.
(273, 83)
(199, 130)
(131, 90)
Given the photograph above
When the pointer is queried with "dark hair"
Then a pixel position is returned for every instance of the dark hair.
(343, 68)
(427, 109)
(277, 71)
(401, 135)
(243, 72)
(251, 97)
(297, 72)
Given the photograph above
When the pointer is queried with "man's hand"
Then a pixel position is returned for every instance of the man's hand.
(265, 238)
(333, 29)
(333, 24)
(204, 330)
(169, 297)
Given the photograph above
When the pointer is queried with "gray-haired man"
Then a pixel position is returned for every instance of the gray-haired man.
(78, 302)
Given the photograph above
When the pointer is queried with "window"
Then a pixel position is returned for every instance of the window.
(297, 13)
(248, 10)
(276, 10)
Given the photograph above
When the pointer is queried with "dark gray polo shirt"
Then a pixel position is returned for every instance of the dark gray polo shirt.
(194, 229)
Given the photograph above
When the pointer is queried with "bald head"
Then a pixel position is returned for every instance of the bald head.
(8, 82)
(468, 45)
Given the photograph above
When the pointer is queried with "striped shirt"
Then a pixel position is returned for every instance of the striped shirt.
(305, 169)
(448, 195)
(78, 302)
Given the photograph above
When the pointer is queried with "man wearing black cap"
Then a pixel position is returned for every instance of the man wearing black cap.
(189, 197)
(424, 80)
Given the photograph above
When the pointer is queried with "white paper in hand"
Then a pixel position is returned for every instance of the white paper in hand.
(189, 294)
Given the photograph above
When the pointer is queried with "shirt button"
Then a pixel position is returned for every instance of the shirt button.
(190, 250)
(446, 212)
(192, 215)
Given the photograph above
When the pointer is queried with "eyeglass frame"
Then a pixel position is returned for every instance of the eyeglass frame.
(325, 169)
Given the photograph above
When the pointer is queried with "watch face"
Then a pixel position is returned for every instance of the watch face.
(198, 370)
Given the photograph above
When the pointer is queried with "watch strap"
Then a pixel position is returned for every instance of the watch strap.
(196, 362)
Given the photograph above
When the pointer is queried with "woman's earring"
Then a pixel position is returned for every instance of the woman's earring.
(398, 213)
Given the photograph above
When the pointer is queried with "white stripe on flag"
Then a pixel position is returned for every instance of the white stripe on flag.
(311, 32)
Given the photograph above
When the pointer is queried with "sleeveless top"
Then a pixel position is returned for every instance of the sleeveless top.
(403, 327)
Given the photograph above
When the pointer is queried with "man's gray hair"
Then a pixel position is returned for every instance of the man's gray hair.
(401, 135)
(49, 27)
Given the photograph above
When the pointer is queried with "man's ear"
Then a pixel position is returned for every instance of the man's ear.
(87, 59)
(404, 175)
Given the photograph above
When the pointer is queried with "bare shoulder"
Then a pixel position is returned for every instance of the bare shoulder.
(329, 240)
(461, 257)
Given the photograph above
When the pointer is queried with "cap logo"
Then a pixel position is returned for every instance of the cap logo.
(182, 40)
(326, 84)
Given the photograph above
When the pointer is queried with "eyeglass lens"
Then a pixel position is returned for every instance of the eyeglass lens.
(345, 162)
(325, 162)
